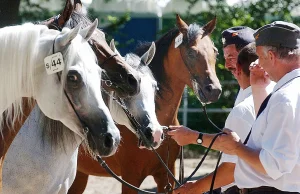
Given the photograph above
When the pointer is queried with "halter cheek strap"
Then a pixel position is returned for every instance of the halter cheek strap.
(83, 124)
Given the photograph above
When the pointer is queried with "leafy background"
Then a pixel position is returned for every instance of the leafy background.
(249, 13)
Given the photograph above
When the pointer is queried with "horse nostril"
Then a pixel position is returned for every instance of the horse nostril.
(148, 134)
(108, 141)
(209, 88)
(162, 136)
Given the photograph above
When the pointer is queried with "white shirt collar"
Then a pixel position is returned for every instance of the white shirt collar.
(286, 78)
(245, 93)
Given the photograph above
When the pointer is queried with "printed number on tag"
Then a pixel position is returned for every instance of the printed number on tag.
(54, 63)
(178, 40)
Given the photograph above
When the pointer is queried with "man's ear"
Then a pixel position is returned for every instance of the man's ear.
(271, 56)
(238, 69)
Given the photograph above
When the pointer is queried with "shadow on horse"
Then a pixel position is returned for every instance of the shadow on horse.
(192, 63)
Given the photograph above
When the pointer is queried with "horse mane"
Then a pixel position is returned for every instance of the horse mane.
(18, 54)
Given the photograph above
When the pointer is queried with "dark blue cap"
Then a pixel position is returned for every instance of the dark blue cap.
(278, 34)
(238, 35)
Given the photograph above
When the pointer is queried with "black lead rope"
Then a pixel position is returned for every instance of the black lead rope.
(137, 125)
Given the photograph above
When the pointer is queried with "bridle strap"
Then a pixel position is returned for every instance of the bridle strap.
(84, 126)
(107, 59)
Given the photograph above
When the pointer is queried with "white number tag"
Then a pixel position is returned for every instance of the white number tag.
(178, 40)
(54, 63)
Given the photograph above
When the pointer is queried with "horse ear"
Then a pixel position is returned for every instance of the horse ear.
(209, 27)
(113, 47)
(181, 25)
(148, 56)
(66, 14)
(66, 38)
(87, 32)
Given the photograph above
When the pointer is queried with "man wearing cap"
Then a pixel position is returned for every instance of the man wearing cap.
(234, 39)
(269, 162)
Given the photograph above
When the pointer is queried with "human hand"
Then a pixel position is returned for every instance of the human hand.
(258, 76)
(229, 142)
(183, 135)
(187, 188)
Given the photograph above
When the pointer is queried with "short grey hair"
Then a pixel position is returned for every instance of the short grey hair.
(283, 53)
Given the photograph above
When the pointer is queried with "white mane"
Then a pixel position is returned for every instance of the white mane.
(18, 52)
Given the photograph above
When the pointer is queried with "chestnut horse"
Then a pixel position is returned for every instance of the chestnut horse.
(115, 68)
(192, 64)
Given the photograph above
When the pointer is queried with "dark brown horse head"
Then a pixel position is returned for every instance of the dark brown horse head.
(199, 55)
(122, 79)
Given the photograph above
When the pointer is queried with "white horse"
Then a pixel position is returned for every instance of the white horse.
(34, 165)
(140, 102)
(23, 74)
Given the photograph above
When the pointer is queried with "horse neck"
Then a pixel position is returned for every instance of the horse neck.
(17, 60)
(168, 105)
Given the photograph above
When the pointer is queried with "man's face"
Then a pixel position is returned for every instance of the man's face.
(230, 55)
(264, 60)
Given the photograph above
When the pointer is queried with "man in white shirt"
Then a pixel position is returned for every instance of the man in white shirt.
(270, 160)
(240, 118)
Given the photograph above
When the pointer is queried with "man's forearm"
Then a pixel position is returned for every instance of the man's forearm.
(224, 177)
(251, 157)
(207, 139)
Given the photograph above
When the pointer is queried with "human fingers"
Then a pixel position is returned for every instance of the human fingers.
(227, 131)
(172, 132)
(173, 127)
(253, 64)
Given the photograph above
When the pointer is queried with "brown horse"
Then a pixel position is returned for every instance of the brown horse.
(192, 64)
(114, 65)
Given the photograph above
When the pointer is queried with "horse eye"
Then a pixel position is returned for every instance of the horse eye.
(72, 78)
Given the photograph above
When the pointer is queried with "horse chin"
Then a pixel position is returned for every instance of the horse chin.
(141, 145)
(200, 94)
(95, 146)
(121, 93)
(201, 97)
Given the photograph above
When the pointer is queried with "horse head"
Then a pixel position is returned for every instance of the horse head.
(124, 81)
(199, 55)
(142, 105)
(73, 96)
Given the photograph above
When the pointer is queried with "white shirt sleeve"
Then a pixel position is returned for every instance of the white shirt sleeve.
(280, 141)
(240, 121)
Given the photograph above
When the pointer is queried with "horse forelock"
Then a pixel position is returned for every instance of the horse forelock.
(18, 57)
(193, 32)
(79, 17)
